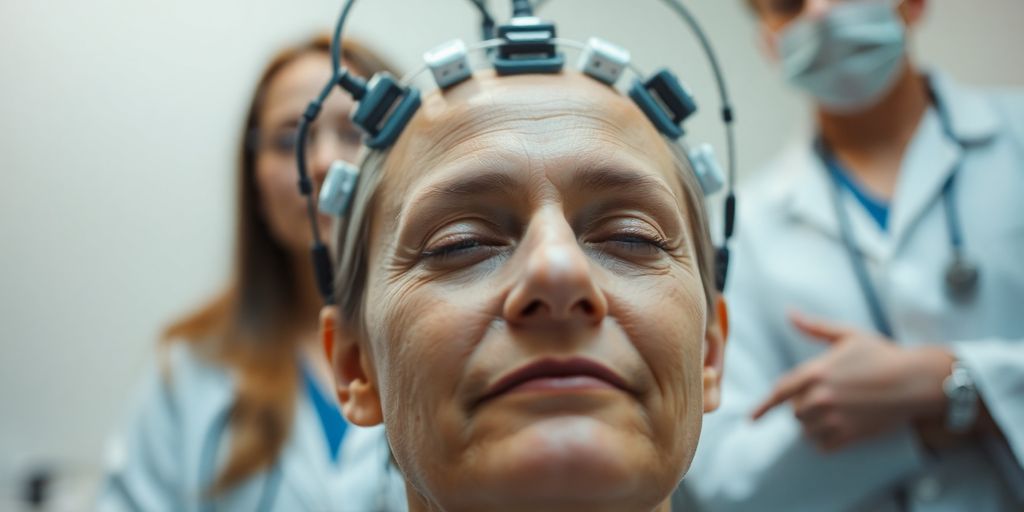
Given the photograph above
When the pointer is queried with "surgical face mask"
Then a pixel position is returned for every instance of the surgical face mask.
(847, 59)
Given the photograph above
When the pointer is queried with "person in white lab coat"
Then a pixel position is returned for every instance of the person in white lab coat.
(877, 294)
(241, 413)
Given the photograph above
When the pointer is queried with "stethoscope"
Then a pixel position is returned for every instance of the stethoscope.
(961, 277)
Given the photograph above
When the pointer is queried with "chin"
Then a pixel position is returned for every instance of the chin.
(573, 462)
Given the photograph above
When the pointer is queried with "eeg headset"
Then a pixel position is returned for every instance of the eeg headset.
(526, 44)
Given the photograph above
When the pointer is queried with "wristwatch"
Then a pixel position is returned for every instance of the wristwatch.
(962, 398)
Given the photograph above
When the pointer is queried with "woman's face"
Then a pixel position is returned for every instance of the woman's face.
(535, 328)
(332, 137)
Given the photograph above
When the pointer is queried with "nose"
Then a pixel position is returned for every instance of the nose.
(557, 283)
(323, 152)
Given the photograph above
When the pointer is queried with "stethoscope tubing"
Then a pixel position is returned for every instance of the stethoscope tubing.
(871, 296)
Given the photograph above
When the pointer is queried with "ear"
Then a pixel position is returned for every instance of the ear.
(351, 365)
(714, 355)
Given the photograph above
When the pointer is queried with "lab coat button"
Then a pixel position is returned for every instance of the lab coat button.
(927, 489)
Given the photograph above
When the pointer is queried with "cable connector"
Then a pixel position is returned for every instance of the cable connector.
(352, 84)
(603, 61)
(665, 102)
(449, 63)
(384, 110)
(522, 8)
(529, 47)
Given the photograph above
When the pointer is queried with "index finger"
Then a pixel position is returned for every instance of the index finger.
(790, 385)
(818, 329)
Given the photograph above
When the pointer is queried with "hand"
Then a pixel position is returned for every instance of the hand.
(863, 386)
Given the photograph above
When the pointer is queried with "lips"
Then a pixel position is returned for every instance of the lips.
(556, 376)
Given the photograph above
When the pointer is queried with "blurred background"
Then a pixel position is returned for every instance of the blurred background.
(119, 126)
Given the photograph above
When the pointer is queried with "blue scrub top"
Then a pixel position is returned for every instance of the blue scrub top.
(877, 208)
(333, 422)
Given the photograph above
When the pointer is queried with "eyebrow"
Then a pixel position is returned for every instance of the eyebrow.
(587, 178)
(485, 182)
(479, 183)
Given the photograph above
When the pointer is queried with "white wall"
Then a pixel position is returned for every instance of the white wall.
(118, 122)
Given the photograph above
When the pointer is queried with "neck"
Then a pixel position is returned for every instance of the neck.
(871, 143)
(890, 122)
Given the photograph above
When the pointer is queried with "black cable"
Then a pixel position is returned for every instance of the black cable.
(486, 20)
(728, 116)
(723, 93)
(305, 185)
(321, 256)
(355, 85)
(336, 40)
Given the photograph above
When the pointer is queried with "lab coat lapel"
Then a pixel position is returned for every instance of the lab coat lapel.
(811, 195)
(933, 155)
(930, 160)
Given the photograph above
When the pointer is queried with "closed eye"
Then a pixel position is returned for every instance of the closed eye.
(627, 237)
(460, 251)
(634, 244)
(452, 249)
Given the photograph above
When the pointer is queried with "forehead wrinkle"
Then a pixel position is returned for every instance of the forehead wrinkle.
(524, 117)
(520, 103)
(610, 150)
(472, 126)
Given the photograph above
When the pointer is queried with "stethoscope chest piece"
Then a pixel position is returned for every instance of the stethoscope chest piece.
(961, 279)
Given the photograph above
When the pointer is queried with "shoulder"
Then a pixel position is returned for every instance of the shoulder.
(181, 393)
(186, 368)
(182, 390)
(1009, 106)
(1008, 100)
(982, 111)
(150, 458)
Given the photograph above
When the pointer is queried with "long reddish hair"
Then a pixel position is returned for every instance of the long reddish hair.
(250, 326)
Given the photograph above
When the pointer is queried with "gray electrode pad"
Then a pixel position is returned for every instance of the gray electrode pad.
(705, 166)
(603, 61)
(449, 63)
(337, 190)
